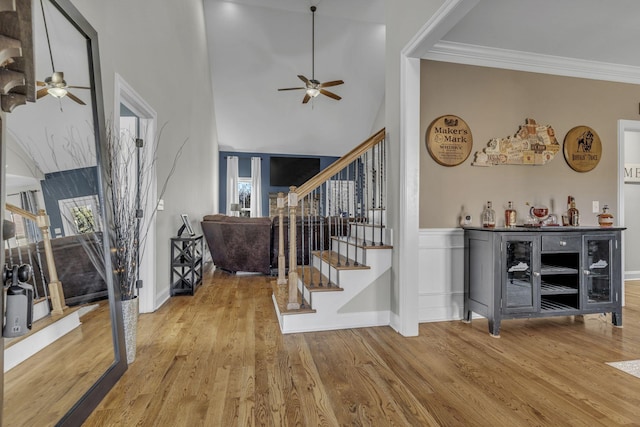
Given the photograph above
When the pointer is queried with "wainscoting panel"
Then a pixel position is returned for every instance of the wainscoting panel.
(441, 274)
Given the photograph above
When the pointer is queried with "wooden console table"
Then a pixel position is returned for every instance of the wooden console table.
(540, 272)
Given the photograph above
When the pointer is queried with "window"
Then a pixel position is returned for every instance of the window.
(80, 215)
(244, 196)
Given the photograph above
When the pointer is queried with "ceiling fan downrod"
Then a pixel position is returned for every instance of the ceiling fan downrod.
(313, 42)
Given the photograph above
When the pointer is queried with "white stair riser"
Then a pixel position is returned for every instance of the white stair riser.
(370, 233)
(353, 252)
(328, 304)
(377, 216)
(375, 259)
(311, 322)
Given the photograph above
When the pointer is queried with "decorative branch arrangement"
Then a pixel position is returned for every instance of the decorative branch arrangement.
(128, 185)
(129, 226)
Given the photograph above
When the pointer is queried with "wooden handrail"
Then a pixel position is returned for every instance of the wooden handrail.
(339, 164)
(296, 194)
(55, 286)
(19, 211)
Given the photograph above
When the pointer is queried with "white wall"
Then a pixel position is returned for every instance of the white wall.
(403, 23)
(159, 48)
(631, 209)
(21, 172)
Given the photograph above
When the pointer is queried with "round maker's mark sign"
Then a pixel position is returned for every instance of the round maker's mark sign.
(449, 140)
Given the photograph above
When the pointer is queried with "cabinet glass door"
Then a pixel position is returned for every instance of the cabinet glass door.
(520, 291)
(597, 270)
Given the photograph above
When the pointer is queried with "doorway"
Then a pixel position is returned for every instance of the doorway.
(137, 119)
(629, 195)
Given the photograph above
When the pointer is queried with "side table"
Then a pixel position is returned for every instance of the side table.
(186, 264)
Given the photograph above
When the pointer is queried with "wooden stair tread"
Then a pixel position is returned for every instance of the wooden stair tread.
(282, 298)
(339, 262)
(361, 243)
(311, 277)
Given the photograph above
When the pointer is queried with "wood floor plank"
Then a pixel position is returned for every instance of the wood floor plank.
(218, 359)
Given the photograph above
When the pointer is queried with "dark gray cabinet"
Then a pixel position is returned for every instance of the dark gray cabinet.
(537, 272)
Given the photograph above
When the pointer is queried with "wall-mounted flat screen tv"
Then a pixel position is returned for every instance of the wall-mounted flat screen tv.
(286, 171)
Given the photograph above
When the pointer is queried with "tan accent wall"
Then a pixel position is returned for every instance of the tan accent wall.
(494, 103)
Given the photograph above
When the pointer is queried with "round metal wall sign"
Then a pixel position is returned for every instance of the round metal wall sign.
(449, 140)
(582, 148)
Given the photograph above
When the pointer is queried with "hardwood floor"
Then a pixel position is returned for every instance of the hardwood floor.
(218, 359)
(41, 389)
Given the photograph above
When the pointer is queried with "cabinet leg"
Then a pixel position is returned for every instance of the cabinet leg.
(616, 318)
(494, 328)
(467, 316)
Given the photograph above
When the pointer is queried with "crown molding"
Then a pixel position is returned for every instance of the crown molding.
(463, 53)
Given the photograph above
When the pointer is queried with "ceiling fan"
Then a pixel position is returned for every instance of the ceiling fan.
(55, 85)
(312, 86)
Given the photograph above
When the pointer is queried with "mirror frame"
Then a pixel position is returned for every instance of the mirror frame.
(92, 397)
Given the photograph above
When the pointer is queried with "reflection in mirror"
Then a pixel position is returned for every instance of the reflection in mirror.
(52, 175)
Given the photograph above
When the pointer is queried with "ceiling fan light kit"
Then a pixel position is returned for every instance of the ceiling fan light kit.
(55, 85)
(314, 87)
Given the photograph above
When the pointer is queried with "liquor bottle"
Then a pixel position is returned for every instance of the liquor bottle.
(573, 213)
(488, 217)
(510, 216)
(605, 219)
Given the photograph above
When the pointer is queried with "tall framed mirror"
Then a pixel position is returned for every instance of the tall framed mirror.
(60, 369)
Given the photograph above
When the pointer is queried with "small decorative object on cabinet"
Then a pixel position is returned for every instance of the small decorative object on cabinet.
(542, 272)
(488, 216)
(510, 216)
(605, 219)
(186, 264)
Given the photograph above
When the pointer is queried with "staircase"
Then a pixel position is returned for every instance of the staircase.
(17, 77)
(346, 281)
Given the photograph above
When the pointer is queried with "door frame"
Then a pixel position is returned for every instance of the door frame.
(623, 126)
(125, 94)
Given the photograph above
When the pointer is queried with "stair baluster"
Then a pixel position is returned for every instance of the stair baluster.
(342, 200)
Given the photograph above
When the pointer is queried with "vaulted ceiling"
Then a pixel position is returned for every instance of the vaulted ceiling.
(258, 46)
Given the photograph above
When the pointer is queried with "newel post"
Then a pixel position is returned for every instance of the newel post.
(55, 286)
(293, 303)
(282, 280)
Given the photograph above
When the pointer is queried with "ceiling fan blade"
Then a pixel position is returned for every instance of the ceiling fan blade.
(330, 94)
(75, 98)
(42, 92)
(292, 88)
(329, 84)
(39, 83)
(306, 98)
(304, 79)
(79, 87)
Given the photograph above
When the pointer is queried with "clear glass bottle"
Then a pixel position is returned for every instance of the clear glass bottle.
(510, 216)
(488, 216)
(573, 213)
